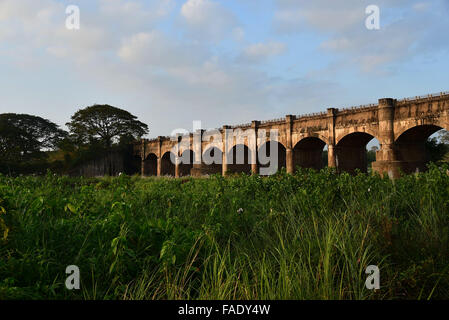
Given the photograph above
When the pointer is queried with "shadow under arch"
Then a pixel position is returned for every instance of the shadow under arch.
(186, 163)
(133, 165)
(150, 165)
(308, 153)
(264, 155)
(167, 166)
(212, 160)
(351, 153)
(411, 149)
(239, 159)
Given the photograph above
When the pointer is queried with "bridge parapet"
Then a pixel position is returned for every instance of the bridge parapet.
(311, 115)
(433, 96)
(279, 120)
(241, 126)
(356, 109)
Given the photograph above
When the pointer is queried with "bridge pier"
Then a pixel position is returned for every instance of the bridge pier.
(177, 168)
(289, 161)
(224, 165)
(159, 166)
(142, 166)
(254, 148)
(254, 168)
(331, 156)
(385, 157)
(331, 151)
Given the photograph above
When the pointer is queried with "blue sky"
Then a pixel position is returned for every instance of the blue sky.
(171, 62)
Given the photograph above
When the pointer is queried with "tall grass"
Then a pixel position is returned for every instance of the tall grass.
(305, 236)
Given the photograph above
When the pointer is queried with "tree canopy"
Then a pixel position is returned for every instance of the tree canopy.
(438, 147)
(444, 136)
(105, 124)
(23, 136)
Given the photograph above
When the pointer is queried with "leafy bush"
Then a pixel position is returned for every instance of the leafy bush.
(310, 235)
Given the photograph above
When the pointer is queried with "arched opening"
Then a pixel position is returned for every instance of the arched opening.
(351, 152)
(371, 153)
(132, 164)
(419, 145)
(212, 160)
(167, 165)
(186, 163)
(270, 161)
(438, 146)
(309, 153)
(239, 159)
(150, 165)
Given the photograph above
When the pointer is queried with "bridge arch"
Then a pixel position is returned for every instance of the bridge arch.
(150, 165)
(410, 147)
(308, 152)
(297, 138)
(134, 166)
(264, 155)
(167, 165)
(185, 163)
(239, 159)
(373, 133)
(351, 152)
(438, 124)
(212, 159)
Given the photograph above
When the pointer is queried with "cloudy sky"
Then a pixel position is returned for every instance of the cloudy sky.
(170, 62)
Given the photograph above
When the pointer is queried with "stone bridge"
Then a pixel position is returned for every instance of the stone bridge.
(401, 127)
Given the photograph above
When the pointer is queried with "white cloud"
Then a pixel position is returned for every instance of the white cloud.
(405, 26)
(421, 6)
(238, 33)
(144, 47)
(261, 51)
(157, 49)
(208, 20)
(134, 13)
(323, 15)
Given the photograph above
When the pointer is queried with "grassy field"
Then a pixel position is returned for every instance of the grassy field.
(304, 236)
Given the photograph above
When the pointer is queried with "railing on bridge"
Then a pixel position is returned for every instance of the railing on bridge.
(244, 125)
(311, 115)
(272, 121)
(360, 108)
(433, 95)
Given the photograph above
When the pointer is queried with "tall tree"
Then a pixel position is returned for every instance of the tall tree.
(436, 149)
(24, 136)
(444, 138)
(105, 124)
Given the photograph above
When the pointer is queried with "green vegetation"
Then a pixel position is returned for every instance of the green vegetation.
(304, 236)
(105, 125)
(24, 140)
(31, 144)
